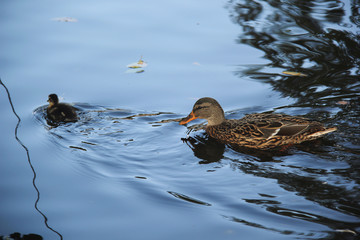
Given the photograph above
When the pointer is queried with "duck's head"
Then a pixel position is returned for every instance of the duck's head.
(206, 108)
(53, 99)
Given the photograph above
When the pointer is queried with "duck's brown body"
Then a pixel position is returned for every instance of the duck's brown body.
(261, 131)
(264, 131)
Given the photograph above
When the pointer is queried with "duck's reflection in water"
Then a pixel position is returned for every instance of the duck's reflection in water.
(210, 150)
(205, 148)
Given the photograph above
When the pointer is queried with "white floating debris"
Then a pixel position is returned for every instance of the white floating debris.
(139, 64)
(65, 19)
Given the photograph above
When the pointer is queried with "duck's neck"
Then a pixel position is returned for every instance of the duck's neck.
(217, 118)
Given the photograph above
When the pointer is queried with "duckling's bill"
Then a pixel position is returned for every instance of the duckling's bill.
(188, 118)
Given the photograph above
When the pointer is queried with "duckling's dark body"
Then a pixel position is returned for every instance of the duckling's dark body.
(60, 112)
(260, 130)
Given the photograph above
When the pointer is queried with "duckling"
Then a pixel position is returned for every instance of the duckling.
(60, 112)
(259, 130)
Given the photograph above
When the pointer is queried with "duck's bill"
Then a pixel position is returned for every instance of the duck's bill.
(188, 119)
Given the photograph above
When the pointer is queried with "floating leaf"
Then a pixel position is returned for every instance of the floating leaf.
(294, 74)
(65, 19)
(139, 64)
(135, 70)
(343, 102)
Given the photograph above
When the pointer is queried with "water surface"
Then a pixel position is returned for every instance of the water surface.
(127, 169)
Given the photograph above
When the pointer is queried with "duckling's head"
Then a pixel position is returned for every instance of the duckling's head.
(206, 108)
(53, 99)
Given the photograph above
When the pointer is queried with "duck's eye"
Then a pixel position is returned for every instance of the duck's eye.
(200, 107)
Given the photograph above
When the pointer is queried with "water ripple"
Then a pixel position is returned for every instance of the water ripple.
(105, 140)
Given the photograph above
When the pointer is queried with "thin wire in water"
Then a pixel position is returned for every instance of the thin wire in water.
(29, 161)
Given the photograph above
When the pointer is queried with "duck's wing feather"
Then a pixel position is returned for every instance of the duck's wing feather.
(265, 131)
(285, 130)
(271, 125)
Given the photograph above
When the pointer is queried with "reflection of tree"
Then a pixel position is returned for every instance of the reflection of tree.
(319, 39)
(312, 37)
(17, 236)
(309, 183)
(313, 189)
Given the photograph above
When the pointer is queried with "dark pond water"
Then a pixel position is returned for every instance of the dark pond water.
(127, 169)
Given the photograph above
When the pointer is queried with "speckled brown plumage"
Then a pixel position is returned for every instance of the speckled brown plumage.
(261, 130)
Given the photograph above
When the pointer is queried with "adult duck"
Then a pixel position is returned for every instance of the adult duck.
(60, 112)
(259, 130)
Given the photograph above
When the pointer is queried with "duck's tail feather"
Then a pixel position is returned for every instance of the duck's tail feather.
(320, 133)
